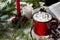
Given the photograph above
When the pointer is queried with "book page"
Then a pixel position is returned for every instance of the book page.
(55, 8)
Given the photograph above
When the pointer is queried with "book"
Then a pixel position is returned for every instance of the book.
(55, 9)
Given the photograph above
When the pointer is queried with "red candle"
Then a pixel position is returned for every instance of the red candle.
(14, 20)
(18, 6)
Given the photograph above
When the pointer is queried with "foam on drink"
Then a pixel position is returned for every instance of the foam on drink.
(42, 17)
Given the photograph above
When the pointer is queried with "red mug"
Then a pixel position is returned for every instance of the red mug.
(43, 28)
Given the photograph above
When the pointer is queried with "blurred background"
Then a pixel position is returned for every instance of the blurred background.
(20, 30)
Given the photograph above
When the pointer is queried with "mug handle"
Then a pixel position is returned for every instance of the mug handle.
(57, 23)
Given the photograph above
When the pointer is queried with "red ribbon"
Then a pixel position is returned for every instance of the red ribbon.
(18, 7)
